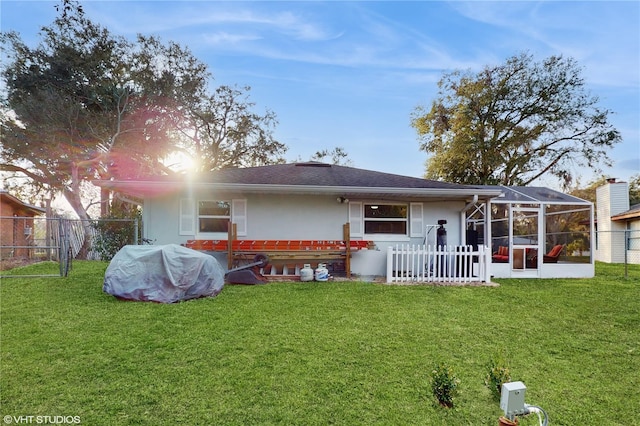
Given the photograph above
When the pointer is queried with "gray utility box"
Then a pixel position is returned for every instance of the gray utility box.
(512, 399)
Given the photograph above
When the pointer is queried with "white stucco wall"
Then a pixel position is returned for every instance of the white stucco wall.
(160, 220)
(304, 217)
(298, 217)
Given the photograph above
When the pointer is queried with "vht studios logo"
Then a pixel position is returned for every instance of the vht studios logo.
(42, 420)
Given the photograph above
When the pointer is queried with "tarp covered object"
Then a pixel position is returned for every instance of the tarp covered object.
(167, 273)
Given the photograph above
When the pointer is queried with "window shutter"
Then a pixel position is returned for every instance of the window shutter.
(416, 220)
(239, 215)
(356, 222)
(187, 217)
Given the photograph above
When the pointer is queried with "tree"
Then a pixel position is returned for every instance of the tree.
(513, 123)
(223, 132)
(338, 156)
(589, 192)
(634, 190)
(85, 104)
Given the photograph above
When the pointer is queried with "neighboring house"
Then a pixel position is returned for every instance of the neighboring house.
(312, 201)
(16, 225)
(618, 224)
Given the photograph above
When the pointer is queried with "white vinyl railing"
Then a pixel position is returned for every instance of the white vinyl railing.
(421, 263)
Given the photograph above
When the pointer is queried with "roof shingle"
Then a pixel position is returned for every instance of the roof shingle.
(320, 174)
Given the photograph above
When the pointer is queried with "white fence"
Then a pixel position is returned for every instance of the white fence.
(453, 264)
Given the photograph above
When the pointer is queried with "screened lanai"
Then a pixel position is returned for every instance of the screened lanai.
(535, 232)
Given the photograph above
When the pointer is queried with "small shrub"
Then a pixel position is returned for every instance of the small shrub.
(117, 230)
(444, 384)
(497, 375)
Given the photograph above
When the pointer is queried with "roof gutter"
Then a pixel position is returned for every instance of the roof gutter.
(153, 188)
(350, 189)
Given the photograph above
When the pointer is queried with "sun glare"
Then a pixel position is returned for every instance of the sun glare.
(181, 162)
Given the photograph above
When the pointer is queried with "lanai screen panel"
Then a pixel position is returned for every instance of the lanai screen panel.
(569, 226)
(567, 220)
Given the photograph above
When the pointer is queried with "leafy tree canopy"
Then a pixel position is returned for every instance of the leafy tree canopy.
(337, 156)
(589, 192)
(85, 104)
(513, 123)
(634, 190)
(224, 131)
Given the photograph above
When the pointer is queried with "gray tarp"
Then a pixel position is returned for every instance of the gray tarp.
(167, 274)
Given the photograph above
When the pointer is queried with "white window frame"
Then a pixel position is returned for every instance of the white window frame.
(190, 218)
(388, 237)
(200, 216)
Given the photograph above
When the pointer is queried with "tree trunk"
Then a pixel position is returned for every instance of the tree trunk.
(105, 204)
(72, 195)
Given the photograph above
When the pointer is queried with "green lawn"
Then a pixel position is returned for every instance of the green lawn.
(318, 353)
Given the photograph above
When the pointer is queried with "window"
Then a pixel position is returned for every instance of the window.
(385, 219)
(213, 216)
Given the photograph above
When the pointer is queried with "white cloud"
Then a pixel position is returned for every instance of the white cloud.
(604, 37)
(143, 17)
(225, 38)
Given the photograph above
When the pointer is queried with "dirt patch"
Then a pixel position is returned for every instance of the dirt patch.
(16, 262)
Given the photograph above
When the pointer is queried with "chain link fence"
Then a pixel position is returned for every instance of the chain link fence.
(621, 247)
(54, 243)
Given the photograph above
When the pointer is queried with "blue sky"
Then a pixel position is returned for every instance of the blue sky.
(350, 74)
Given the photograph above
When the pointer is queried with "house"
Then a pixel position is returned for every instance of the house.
(16, 225)
(618, 224)
(311, 201)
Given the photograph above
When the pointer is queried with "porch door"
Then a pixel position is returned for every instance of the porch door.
(525, 236)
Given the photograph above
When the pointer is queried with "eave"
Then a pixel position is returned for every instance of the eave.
(151, 189)
(24, 206)
(626, 216)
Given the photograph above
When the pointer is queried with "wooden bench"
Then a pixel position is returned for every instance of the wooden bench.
(283, 251)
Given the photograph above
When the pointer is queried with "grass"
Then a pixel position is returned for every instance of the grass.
(318, 353)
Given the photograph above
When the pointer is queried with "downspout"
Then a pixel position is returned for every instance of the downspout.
(463, 219)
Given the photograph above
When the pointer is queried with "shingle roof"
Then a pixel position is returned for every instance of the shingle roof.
(5, 195)
(309, 177)
(632, 213)
(320, 174)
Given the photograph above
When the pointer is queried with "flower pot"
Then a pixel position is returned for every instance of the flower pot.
(503, 421)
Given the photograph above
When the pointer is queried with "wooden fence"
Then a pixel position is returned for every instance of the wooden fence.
(453, 264)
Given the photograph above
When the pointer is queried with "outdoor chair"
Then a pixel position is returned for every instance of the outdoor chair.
(554, 254)
(502, 255)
